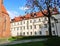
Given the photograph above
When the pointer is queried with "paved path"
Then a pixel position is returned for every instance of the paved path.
(22, 41)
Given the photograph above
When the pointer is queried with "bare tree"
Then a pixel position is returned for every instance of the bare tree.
(42, 5)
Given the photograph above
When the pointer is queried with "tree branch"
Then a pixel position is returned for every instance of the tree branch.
(44, 14)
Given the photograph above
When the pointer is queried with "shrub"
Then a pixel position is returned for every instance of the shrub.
(12, 39)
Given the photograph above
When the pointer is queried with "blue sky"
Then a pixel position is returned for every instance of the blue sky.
(15, 7)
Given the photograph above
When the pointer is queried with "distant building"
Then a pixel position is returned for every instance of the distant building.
(34, 24)
(4, 22)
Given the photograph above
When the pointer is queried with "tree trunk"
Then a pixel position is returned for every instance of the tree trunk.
(49, 23)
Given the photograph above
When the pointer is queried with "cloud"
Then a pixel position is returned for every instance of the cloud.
(13, 14)
(23, 8)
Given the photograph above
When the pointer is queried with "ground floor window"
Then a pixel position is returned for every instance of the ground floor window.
(35, 32)
(23, 33)
(27, 33)
(31, 33)
(40, 32)
(20, 33)
(53, 32)
(47, 33)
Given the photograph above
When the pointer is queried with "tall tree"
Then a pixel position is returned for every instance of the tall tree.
(42, 5)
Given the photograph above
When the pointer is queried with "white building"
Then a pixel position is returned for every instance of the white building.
(34, 26)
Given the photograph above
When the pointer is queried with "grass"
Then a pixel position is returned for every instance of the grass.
(54, 41)
(24, 38)
(29, 44)
(3, 39)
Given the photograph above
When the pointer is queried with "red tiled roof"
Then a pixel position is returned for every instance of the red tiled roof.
(28, 16)
(39, 14)
(17, 19)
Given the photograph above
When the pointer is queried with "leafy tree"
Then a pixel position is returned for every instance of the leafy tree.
(42, 5)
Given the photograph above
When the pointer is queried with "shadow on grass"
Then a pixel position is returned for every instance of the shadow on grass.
(54, 41)
(26, 38)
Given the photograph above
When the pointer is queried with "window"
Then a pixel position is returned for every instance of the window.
(27, 33)
(24, 27)
(23, 33)
(34, 20)
(45, 25)
(53, 32)
(24, 22)
(32, 15)
(52, 24)
(34, 26)
(31, 33)
(18, 23)
(30, 27)
(20, 33)
(21, 22)
(47, 33)
(35, 14)
(40, 32)
(39, 26)
(30, 21)
(14, 28)
(17, 28)
(21, 28)
(27, 22)
(45, 19)
(39, 20)
(35, 32)
(27, 27)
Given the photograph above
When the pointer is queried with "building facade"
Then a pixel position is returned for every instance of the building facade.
(4, 22)
(34, 24)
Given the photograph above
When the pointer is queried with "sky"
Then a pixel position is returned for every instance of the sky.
(15, 7)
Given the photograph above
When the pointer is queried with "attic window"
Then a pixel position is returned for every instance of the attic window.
(32, 15)
(24, 17)
(35, 14)
(12, 19)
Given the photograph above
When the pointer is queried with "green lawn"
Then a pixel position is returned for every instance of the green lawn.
(30, 44)
(25, 38)
(55, 41)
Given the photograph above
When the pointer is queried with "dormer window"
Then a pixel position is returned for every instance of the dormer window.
(24, 17)
(32, 15)
(35, 15)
